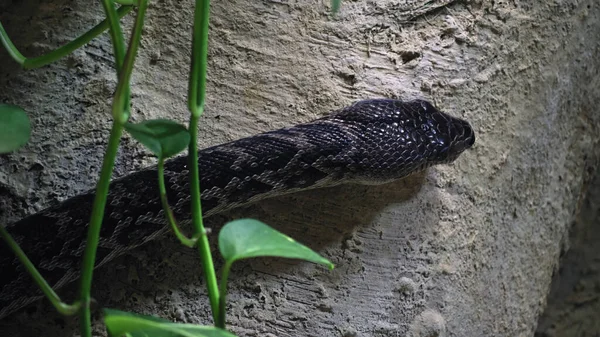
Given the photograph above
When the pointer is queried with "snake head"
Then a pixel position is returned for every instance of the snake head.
(448, 136)
(399, 138)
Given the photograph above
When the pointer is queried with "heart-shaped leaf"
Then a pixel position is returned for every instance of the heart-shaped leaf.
(247, 238)
(15, 129)
(165, 138)
(119, 323)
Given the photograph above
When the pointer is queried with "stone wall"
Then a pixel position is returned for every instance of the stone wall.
(467, 249)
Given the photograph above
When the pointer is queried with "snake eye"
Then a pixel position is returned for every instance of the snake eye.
(442, 141)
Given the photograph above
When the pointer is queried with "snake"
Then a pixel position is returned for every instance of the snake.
(370, 142)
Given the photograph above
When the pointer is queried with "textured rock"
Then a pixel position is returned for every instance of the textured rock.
(463, 250)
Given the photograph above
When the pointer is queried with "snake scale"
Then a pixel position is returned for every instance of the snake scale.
(370, 142)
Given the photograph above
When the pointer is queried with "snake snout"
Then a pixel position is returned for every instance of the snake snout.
(463, 133)
(461, 136)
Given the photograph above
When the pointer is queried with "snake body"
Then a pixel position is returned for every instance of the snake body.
(369, 142)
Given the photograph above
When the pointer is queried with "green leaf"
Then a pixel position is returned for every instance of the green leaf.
(119, 323)
(335, 6)
(15, 129)
(246, 238)
(163, 137)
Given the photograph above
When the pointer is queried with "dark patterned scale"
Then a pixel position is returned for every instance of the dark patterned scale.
(370, 142)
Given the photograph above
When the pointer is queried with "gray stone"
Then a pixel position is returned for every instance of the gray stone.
(480, 238)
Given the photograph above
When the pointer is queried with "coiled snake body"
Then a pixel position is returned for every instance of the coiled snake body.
(370, 142)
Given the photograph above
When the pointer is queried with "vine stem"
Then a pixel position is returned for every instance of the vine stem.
(199, 230)
(116, 33)
(196, 99)
(60, 306)
(190, 243)
(10, 46)
(40, 61)
(93, 235)
(223, 295)
(120, 111)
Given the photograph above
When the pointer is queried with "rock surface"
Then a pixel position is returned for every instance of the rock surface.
(463, 250)
(574, 299)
